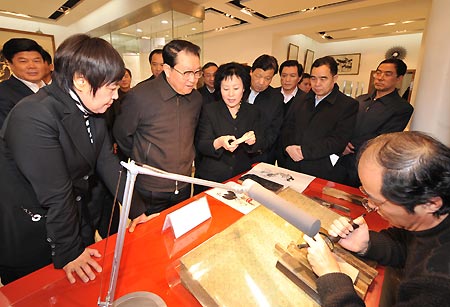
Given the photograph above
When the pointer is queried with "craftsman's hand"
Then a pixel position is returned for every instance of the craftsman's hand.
(250, 137)
(295, 152)
(320, 257)
(349, 149)
(83, 266)
(141, 219)
(225, 141)
(354, 240)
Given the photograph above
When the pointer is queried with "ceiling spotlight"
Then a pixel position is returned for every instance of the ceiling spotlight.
(164, 22)
(389, 24)
(139, 30)
(364, 27)
(64, 9)
(353, 29)
(407, 21)
(193, 29)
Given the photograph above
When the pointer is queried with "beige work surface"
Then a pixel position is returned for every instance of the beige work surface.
(237, 267)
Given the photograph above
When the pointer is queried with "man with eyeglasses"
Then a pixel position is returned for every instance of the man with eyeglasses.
(382, 111)
(157, 125)
(406, 178)
(207, 90)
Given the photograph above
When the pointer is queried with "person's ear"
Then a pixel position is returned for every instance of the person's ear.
(79, 82)
(433, 204)
(167, 70)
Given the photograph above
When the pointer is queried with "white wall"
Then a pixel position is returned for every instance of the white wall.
(246, 46)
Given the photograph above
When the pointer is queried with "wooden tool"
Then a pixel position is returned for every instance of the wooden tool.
(353, 198)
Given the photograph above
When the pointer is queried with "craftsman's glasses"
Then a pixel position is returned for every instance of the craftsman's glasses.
(369, 203)
(189, 73)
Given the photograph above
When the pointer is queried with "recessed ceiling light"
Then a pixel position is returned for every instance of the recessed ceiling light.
(193, 29)
(365, 27)
(389, 24)
(353, 29)
(139, 30)
(164, 22)
(407, 21)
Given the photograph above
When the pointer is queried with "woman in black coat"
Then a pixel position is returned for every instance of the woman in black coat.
(54, 147)
(229, 129)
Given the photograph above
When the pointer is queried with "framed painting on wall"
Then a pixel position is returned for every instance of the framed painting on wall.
(348, 64)
(47, 42)
(292, 52)
(309, 58)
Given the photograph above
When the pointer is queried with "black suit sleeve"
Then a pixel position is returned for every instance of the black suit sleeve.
(33, 140)
(126, 123)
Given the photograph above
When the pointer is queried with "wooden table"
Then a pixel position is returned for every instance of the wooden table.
(150, 261)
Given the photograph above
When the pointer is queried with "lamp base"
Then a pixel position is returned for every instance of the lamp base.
(141, 299)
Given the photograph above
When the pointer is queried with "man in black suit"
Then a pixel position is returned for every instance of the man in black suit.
(207, 90)
(290, 74)
(156, 64)
(270, 103)
(382, 111)
(157, 126)
(319, 127)
(24, 57)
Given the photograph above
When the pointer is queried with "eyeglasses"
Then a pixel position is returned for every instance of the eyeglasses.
(379, 73)
(189, 73)
(375, 204)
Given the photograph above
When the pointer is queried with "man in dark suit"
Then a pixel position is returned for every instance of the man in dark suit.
(156, 64)
(269, 101)
(207, 90)
(24, 57)
(319, 128)
(380, 112)
(157, 126)
(290, 74)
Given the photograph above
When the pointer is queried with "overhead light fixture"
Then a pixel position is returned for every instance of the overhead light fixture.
(324, 35)
(407, 21)
(64, 9)
(164, 22)
(353, 29)
(139, 30)
(247, 11)
(389, 24)
(193, 29)
(15, 14)
(364, 27)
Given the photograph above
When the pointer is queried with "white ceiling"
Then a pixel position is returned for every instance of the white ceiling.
(339, 19)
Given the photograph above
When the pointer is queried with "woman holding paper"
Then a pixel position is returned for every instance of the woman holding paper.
(229, 129)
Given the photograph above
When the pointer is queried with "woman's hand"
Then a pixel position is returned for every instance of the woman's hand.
(141, 219)
(320, 257)
(83, 266)
(226, 142)
(250, 137)
(355, 240)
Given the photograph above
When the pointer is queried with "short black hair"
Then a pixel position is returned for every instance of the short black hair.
(171, 49)
(16, 45)
(208, 65)
(227, 71)
(416, 168)
(292, 63)
(266, 62)
(305, 75)
(155, 51)
(92, 57)
(328, 61)
(129, 72)
(46, 56)
(400, 66)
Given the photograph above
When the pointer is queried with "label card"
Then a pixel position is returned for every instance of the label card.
(187, 217)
